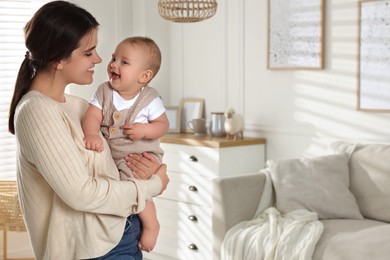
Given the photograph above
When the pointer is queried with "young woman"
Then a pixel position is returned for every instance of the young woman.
(73, 203)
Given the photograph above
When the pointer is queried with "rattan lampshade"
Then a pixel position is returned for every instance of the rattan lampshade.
(187, 11)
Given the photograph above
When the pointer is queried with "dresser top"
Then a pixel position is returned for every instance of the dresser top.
(208, 141)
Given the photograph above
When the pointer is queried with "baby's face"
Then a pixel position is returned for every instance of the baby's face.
(126, 69)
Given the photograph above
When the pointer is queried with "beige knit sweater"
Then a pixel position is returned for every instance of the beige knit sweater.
(72, 200)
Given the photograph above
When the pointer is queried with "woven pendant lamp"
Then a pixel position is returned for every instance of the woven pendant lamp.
(187, 11)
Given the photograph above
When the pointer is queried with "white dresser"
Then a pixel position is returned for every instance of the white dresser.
(184, 209)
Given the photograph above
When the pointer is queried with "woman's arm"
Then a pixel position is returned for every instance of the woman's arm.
(51, 142)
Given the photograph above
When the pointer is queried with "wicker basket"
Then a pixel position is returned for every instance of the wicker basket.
(187, 11)
(11, 218)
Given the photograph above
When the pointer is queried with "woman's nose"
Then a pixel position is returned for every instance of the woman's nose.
(98, 59)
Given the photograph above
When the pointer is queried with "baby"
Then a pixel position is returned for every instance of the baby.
(130, 115)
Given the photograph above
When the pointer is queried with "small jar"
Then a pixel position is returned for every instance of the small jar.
(217, 124)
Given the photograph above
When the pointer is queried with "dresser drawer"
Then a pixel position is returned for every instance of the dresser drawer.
(188, 188)
(171, 246)
(191, 160)
(184, 215)
(212, 162)
(185, 231)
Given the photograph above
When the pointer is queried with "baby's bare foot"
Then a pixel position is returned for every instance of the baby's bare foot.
(149, 238)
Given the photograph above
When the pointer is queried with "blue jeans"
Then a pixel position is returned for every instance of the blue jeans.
(127, 249)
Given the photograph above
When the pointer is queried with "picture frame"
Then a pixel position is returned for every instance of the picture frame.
(190, 108)
(374, 56)
(295, 34)
(174, 116)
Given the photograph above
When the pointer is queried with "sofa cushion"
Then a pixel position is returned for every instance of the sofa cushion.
(353, 239)
(319, 184)
(370, 177)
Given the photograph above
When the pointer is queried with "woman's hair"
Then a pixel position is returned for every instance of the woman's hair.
(51, 35)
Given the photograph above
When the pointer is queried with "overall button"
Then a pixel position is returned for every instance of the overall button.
(117, 116)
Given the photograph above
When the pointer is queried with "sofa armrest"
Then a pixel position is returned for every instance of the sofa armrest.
(235, 199)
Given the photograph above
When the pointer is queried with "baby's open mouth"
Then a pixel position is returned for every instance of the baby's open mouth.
(114, 75)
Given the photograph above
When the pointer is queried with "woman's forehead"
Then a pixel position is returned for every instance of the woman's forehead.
(89, 41)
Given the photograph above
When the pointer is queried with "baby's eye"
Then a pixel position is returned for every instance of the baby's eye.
(113, 59)
(125, 62)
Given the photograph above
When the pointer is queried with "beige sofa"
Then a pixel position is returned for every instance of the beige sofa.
(364, 235)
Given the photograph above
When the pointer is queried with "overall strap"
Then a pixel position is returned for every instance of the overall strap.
(146, 96)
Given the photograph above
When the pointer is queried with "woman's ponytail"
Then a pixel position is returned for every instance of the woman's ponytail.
(22, 85)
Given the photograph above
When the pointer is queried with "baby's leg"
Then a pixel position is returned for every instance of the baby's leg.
(150, 227)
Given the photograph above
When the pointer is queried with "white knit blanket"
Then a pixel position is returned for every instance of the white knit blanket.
(272, 235)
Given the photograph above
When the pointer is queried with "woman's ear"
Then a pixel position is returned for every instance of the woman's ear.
(59, 66)
(147, 75)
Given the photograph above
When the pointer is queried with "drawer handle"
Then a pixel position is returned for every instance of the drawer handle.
(193, 158)
(193, 188)
(193, 247)
(192, 218)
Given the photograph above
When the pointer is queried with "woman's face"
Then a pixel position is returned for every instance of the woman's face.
(78, 68)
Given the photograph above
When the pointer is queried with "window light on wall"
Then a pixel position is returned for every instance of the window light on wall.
(13, 17)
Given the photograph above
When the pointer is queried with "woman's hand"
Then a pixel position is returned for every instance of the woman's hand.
(143, 166)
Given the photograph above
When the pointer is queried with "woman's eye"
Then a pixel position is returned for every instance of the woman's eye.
(88, 54)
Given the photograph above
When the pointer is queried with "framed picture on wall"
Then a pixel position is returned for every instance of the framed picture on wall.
(190, 108)
(174, 117)
(374, 56)
(295, 34)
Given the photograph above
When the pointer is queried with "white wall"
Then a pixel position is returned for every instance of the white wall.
(223, 60)
(299, 111)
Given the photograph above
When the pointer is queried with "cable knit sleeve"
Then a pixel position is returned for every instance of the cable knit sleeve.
(86, 181)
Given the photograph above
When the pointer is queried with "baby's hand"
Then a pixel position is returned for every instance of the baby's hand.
(134, 131)
(93, 142)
